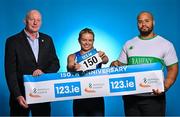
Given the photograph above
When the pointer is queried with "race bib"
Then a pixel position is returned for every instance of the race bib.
(89, 60)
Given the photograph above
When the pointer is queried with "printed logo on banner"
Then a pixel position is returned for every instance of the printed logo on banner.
(93, 87)
(36, 92)
(122, 84)
(89, 89)
(67, 89)
(147, 82)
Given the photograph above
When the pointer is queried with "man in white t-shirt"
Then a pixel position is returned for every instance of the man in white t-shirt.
(146, 48)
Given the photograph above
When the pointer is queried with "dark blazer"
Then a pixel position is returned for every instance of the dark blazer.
(20, 60)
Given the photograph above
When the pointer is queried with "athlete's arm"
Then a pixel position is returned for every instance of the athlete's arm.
(104, 57)
(172, 72)
(71, 64)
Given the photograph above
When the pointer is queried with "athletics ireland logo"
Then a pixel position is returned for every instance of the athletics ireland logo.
(34, 93)
(89, 89)
(145, 83)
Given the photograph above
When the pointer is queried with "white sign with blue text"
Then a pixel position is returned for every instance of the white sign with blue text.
(112, 81)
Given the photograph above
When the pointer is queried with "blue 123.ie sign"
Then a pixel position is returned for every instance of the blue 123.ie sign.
(122, 84)
(67, 89)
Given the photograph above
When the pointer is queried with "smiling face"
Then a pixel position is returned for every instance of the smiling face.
(33, 21)
(86, 41)
(145, 23)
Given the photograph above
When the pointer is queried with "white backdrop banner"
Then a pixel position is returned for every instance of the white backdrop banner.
(112, 81)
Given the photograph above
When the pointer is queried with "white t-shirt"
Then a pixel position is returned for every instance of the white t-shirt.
(143, 51)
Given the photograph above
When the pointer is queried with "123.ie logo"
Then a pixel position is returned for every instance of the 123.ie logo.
(67, 89)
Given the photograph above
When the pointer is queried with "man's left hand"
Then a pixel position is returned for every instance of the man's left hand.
(37, 72)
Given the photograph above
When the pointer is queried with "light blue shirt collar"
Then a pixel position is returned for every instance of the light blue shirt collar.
(34, 43)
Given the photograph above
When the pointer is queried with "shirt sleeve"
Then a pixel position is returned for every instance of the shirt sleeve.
(170, 56)
(123, 57)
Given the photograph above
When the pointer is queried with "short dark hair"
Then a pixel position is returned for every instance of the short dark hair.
(86, 30)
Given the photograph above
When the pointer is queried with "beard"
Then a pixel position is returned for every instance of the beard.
(145, 32)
